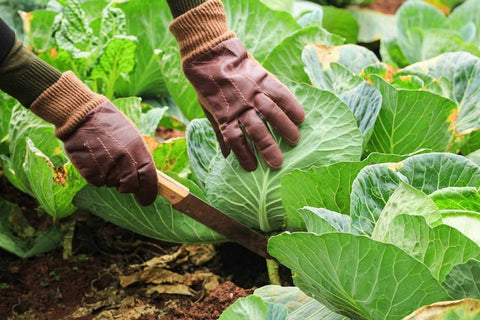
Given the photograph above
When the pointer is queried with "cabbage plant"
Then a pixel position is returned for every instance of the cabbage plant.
(424, 31)
(410, 239)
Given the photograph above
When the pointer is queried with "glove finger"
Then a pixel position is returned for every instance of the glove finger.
(277, 118)
(148, 184)
(129, 182)
(263, 140)
(240, 147)
(283, 98)
(221, 141)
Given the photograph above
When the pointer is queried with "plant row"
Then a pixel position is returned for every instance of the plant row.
(379, 202)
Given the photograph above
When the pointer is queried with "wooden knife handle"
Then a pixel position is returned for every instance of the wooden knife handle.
(170, 189)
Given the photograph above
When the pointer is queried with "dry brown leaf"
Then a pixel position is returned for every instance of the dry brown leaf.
(171, 289)
(200, 254)
(151, 275)
(196, 254)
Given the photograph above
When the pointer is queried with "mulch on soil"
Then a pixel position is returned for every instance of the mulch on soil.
(88, 286)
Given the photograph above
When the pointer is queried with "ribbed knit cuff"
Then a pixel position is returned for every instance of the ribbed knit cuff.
(66, 103)
(7, 38)
(25, 76)
(179, 7)
(201, 29)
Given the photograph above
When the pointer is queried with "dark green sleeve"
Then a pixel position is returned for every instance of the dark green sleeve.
(7, 38)
(179, 7)
(23, 75)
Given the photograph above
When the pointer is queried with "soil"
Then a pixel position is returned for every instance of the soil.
(91, 284)
(167, 133)
(385, 6)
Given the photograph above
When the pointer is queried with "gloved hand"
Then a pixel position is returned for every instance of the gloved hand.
(102, 143)
(236, 92)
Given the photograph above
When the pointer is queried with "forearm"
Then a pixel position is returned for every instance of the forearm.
(61, 99)
(23, 75)
(7, 38)
(179, 7)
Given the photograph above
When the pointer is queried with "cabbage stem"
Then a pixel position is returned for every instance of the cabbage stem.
(273, 275)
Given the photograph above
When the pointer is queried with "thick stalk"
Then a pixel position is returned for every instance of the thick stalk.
(273, 274)
(68, 229)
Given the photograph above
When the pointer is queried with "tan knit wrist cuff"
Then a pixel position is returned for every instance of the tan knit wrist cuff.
(66, 103)
(200, 29)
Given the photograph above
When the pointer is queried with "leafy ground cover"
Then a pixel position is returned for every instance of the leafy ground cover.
(375, 211)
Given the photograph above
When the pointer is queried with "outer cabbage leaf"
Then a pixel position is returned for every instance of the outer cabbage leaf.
(72, 32)
(412, 18)
(53, 187)
(336, 68)
(462, 281)
(299, 305)
(411, 120)
(6, 106)
(152, 33)
(462, 70)
(427, 172)
(475, 157)
(281, 5)
(158, 221)
(112, 65)
(405, 200)
(466, 309)
(251, 21)
(466, 222)
(471, 143)
(146, 123)
(327, 74)
(392, 54)
(289, 52)
(469, 11)
(37, 26)
(341, 22)
(365, 101)
(202, 146)
(355, 275)
(439, 248)
(457, 199)
(324, 187)
(24, 124)
(178, 86)
(320, 221)
(32, 242)
(249, 308)
(171, 155)
(374, 25)
(329, 135)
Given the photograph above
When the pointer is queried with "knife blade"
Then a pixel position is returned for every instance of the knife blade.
(182, 200)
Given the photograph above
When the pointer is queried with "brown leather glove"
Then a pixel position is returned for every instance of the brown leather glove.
(102, 143)
(236, 92)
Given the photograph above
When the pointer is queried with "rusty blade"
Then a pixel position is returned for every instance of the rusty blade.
(223, 224)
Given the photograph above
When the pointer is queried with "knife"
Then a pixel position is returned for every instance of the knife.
(184, 201)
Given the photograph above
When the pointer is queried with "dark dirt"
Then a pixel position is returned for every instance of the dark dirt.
(87, 286)
(212, 306)
(167, 133)
(385, 6)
